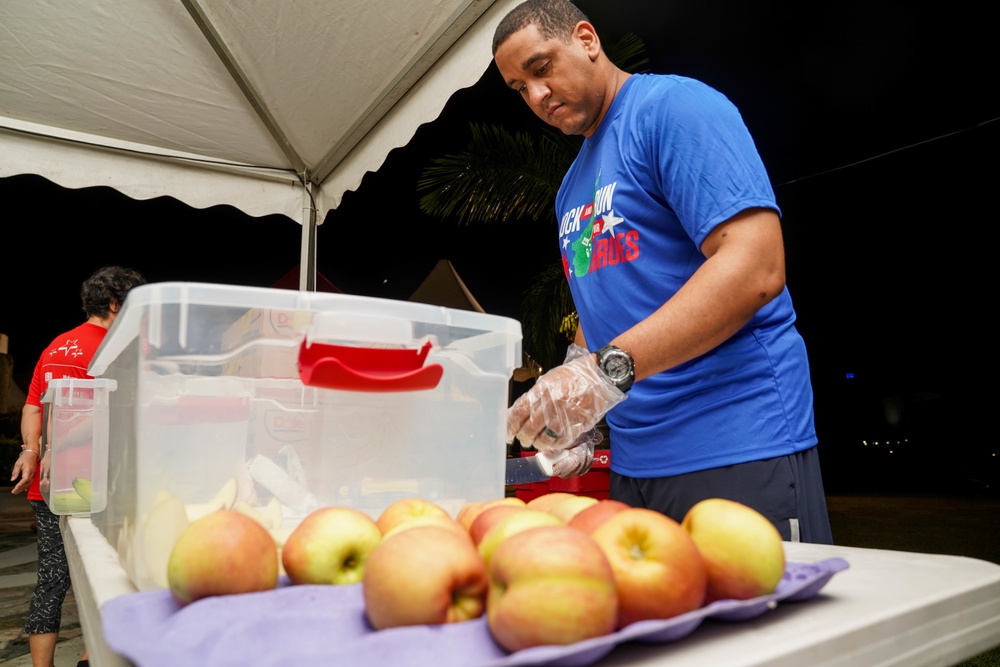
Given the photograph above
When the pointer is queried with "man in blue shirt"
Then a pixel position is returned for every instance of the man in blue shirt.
(671, 242)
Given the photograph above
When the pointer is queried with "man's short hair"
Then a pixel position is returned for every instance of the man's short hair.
(553, 18)
(108, 287)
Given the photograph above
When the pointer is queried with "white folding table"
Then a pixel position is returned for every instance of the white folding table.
(888, 608)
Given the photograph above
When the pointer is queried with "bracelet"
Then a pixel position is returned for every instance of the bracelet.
(33, 452)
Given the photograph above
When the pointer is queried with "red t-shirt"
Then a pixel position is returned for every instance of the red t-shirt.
(67, 356)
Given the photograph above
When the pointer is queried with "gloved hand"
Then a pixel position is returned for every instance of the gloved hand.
(565, 403)
(580, 456)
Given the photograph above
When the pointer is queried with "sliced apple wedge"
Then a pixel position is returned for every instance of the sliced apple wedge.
(251, 511)
(195, 511)
(224, 499)
(272, 513)
(227, 495)
(160, 495)
(280, 534)
(159, 532)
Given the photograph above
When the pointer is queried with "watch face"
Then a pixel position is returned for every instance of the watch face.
(617, 367)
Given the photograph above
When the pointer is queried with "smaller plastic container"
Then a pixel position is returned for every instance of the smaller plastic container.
(75, 435)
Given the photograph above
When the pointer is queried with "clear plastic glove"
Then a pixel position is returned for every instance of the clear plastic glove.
(564, 404)
(579, 457)
(574, 351)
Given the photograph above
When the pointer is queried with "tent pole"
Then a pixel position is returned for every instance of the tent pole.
(307, 261)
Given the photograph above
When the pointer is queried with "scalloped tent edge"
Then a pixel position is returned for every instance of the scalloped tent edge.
(267, 107)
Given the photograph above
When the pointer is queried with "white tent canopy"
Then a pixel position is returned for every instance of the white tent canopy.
(269, 106)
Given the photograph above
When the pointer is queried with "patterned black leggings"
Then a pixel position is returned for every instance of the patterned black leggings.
(45, 610)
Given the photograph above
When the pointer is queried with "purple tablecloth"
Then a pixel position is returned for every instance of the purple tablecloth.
(307, 625)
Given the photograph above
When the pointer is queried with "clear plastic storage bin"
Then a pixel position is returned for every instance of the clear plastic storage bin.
(278, 402)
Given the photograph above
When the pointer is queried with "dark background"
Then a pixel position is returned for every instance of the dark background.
(876, 121)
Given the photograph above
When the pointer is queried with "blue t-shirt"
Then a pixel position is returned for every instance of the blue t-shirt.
(671, 160)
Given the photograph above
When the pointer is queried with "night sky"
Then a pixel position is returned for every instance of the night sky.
(876, 121)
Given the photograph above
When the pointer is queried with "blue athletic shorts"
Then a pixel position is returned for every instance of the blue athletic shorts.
(788, 490)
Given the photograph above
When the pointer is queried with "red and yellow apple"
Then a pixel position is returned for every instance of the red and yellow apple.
(545, 501)
(591, 517)
(468, 513)
(567, 508)
(550, 585)
(659, 572)
(426, 575)
(223, 553)
(429, 520)
(511, 524)
(330, 546)
(742, 549)
(405, 509)
(489, 517)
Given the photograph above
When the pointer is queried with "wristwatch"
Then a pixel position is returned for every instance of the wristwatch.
(618, 365)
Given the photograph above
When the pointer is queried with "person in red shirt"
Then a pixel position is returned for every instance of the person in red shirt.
(67, 356)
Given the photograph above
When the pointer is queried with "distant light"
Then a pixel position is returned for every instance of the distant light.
(849, 376)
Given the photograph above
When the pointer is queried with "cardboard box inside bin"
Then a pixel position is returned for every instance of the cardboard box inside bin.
(266, 325)
(75, 434)
(201, 427)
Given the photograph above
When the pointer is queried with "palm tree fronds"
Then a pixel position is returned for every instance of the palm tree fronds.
(628, 53)
(544, 307)
(499, 177)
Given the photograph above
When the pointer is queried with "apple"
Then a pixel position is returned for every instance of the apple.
(489, 517)
(591, 517)
(405, 509)
(550, 585)
(330, 546)
(742, 549)
(426, 575)
(223, 553)
(272, 516)
(429, 520)
(659, 572)
(566, 508)
(546, 501)
(511, 524)
(468, 513)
